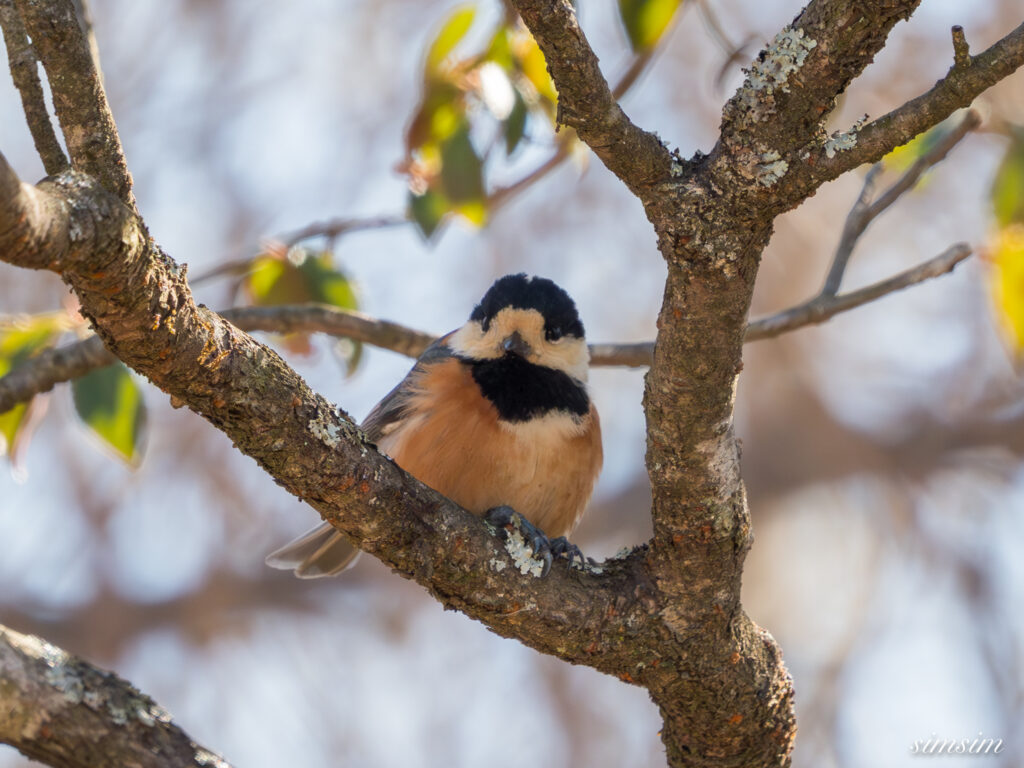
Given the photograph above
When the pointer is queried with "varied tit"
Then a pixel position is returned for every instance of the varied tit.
(496, 417)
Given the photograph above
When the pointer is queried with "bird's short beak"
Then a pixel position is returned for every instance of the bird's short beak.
(516, 345)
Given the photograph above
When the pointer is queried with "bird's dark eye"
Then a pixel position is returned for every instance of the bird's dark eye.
(553, 334)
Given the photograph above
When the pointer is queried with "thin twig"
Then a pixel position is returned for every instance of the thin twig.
(733, 53)
(317, 318)
(51, 367)
(22, 60)
(501, 195)
(866, 210)
(333, 228)
(852, 230)
(824, 307)
(961, 50)
(933, 156)
(715, 29)
(496, 199)
(633, 71)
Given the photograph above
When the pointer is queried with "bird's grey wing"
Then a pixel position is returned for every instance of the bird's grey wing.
(390, 411)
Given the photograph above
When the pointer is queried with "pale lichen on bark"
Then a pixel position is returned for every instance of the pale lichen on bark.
(771, 168)
(771, 72)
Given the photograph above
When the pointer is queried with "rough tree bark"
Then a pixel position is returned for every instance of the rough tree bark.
(666, 616)
(60, 710)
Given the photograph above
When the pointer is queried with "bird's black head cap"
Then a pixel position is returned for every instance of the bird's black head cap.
(524, 292)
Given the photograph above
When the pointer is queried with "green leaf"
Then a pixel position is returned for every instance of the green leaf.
(905, 155)
(1008, 186)
(327, 284)
(462, 179)
(20, 340)
(452, 31)
(110, 404)
(300, 277)
(428, 211)
(515, 124)
(646, 21)
(499, 50)
(271, 282)
(438, 115)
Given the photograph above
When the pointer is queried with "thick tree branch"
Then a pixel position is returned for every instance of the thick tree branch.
(140, 305)
(67, 713)
(22, 60)
(778, 109)
(713, 218)
(78, 95)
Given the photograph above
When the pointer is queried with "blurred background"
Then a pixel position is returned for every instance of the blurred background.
(882, 451)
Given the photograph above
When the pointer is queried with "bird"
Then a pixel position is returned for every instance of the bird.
(497, 417)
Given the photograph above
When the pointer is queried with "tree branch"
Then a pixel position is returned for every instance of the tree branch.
(777, 112)
(866, 210)
(84, 15)
(824, 307)
(140, 305)
(713, 218)
(78, 95)
(334, 228)
(966, 79)
(42, 372)
(22, 61)
(67, 713)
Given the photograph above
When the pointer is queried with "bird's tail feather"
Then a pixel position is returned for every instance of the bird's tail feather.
(317, 553)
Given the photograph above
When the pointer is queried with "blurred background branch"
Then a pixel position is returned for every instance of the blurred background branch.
(41, 372)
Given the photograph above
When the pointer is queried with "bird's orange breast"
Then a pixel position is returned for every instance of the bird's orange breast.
(453, 441)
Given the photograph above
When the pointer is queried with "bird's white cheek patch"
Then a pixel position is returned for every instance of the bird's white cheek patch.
(570, 356)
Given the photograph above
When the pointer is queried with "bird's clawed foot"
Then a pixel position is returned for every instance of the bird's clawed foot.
(507, 520)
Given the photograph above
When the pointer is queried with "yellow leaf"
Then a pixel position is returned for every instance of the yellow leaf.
(475, 212)
(535, 67)
(1007, 258)
(646, 20)
(452, 31)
